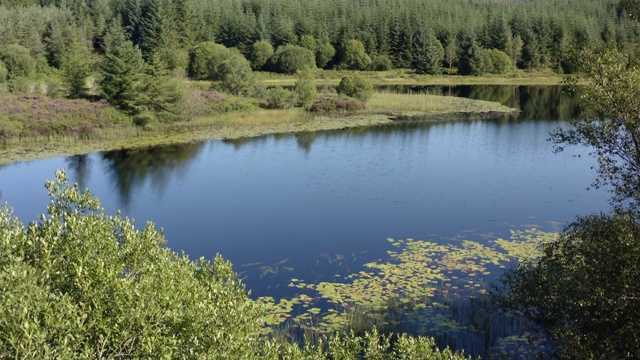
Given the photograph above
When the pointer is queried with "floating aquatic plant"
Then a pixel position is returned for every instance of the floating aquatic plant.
(411, 287)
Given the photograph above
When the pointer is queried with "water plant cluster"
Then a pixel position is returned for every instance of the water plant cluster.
(424, 287)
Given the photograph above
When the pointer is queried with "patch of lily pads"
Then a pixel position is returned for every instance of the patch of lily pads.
(414, 289)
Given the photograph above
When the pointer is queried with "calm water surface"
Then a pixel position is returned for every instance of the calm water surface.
(315, 204)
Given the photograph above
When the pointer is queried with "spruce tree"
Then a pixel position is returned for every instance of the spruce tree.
(428, 53)
(76, 67)
(471, 58)
(122, 70)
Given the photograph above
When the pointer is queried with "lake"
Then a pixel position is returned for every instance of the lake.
(314, 205)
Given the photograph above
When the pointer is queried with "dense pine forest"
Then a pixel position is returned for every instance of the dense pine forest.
(133, 54)
(35, 36)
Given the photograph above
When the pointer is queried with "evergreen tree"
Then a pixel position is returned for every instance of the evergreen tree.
(499, 34)
(76, 67)
(428, 53)
(151, 28)
(122, 70)
(471, 57)
(159, 93)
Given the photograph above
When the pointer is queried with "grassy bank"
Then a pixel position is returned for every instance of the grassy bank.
(408, 77)
(75, 135)
(424, 104)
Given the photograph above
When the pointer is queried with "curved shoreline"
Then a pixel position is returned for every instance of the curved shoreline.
(232, 127)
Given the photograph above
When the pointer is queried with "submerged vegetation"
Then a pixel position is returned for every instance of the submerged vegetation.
(418, 290)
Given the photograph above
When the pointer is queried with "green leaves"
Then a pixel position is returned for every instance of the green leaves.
(610, 125)
(80, 283)
(584, 289)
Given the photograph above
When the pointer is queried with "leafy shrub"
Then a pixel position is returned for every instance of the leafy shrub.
(355, 85)
(235, 73)
(289, 59)
(261, 51)
(332, 103)
(354, 56)
(200, 57)
(305, 88)
(324, 54)
(583, 290)
(280, 98)
(309, 42)
(382, 63)
(498, 62)
(83, 284)
(18, 61)
(4, 72)
(175, 58)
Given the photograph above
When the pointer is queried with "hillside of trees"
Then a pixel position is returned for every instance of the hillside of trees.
(132, 53)
(37, 35)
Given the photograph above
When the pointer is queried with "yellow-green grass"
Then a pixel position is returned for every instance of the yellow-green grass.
(225, 126)
(425, 104)
(408, 77)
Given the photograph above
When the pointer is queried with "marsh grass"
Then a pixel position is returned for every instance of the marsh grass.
(425, 104)
(402, 103)
(408, 77)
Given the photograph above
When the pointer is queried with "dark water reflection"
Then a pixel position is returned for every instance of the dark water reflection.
(540, 103)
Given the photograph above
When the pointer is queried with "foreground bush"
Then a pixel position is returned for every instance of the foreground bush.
(82, 284)
(584, 290)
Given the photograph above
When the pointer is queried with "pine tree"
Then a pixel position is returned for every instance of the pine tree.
(76, 67)
(122, 70)
(428, 53)
(471, 58)
(499, 34)
(151, 29)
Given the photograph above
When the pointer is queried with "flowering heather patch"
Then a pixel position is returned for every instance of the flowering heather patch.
(36, 115)
(324, 104)
(213, 96)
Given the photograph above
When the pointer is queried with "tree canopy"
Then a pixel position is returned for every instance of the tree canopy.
(610, 125)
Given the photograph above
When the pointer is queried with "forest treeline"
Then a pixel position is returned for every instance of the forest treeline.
(132, 53)
(424, 35)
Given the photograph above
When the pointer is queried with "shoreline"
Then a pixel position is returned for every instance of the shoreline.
(384, 110)
(70, 146)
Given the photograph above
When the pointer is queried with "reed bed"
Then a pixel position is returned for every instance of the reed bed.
(426, 104)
